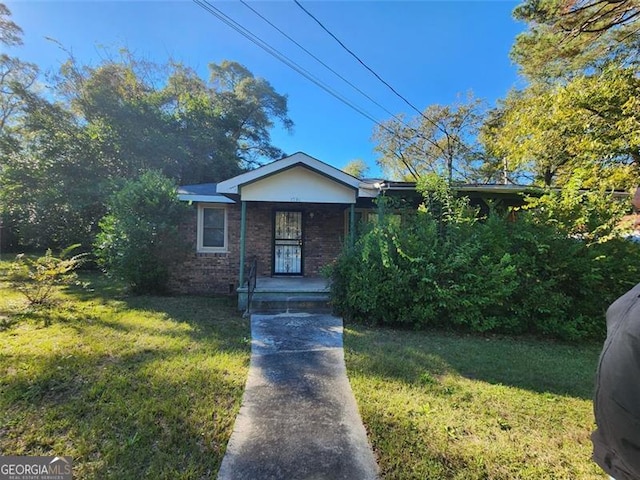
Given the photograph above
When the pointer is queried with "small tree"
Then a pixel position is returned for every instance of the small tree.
(139, 237)
(38, 279)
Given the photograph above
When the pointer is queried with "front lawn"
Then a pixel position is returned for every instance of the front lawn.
(445, 406)
(130, 387)
(148, 387)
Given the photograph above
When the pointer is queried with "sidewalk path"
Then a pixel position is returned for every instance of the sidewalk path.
(298, 419)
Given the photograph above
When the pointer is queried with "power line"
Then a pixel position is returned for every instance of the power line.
(358, 58)
(387, 84)
(207, 6)
(341, 77)
(355, 87)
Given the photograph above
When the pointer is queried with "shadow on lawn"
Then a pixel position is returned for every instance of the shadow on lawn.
(127, 397)
(122, 417)
(206, 315)
(420, 357)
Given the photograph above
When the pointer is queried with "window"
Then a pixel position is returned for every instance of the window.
(212, 228)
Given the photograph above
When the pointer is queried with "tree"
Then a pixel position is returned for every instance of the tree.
(442, 140)
(55, 182)
(580, 111)
(590, 122)
(565, 37)
(14, 73)
(150, 116)
(139, 236)
(107, 124)
(10, 32)
(249, 105)
(356, 168)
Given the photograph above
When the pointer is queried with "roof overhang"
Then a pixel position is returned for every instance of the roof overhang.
(205, 192)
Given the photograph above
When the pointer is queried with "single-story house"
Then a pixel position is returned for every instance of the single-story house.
(288, 218)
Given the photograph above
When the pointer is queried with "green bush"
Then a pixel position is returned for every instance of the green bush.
(445, 268)
(139, 237)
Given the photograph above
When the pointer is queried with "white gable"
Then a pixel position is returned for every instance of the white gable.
(298, 184)
(297, 176)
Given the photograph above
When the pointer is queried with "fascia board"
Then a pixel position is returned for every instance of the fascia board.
(205, 198)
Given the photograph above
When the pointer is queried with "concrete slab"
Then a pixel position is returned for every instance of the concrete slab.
(298, 419)
(292, 284)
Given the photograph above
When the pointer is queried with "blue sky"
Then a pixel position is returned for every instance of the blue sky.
(429, 51)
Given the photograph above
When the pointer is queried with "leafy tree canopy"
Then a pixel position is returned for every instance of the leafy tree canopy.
(565, 37)
(10, 32)
(166, 117)
(591, 122)
(356, 168)
(580, 111)
(64, 154)
(14, 73)
(441, 140)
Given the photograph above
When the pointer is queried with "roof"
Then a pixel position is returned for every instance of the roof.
(497, 188)
(234, 185)
(226, 191)
(203, 192)
(465, 187)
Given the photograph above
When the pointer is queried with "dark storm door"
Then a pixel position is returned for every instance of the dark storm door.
(287, 243)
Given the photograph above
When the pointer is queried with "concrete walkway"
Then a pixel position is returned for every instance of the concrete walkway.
(298, 418)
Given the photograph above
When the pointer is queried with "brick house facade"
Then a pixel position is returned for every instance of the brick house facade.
(324, 235)
(319, 197)
(293, 216)
(208, 272)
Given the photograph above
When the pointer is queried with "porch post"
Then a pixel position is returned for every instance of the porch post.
(352, 224)
(243, 232)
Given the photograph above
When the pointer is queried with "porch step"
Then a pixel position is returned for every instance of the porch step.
(290, 302)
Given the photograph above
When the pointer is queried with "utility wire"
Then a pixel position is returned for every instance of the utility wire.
(341, 77)
(207, 6)
(359, 59)
(387, 84)
(355, 87)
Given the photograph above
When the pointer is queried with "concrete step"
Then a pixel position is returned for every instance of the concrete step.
(290, 302)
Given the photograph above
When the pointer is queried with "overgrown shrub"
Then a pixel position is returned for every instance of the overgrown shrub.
(139, 237)
(444, 267)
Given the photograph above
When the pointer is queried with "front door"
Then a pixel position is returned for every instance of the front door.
(287, 243)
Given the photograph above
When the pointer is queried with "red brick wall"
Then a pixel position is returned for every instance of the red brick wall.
(324, 236)
(202, 273)
(323, 229)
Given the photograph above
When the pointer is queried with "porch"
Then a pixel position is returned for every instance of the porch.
(285, 294)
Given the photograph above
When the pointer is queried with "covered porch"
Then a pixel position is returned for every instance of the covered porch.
(296, 215)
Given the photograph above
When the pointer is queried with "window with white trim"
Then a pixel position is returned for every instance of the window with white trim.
(212, 228)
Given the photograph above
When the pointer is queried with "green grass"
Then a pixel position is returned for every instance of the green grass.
(130, 387)
(149, 387)
(445, 406)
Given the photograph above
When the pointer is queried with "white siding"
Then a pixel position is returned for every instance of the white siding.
(298, 185)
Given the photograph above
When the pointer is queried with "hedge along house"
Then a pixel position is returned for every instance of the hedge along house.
(287, 220)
